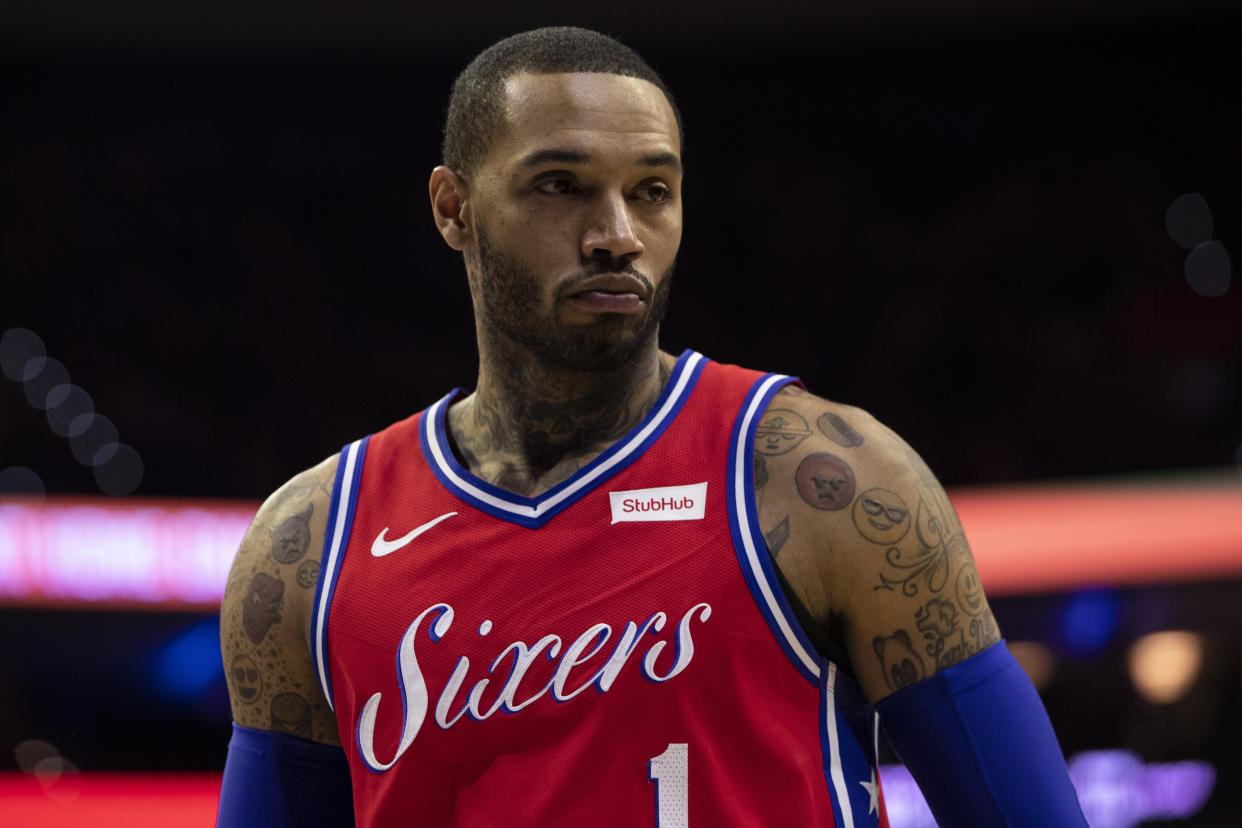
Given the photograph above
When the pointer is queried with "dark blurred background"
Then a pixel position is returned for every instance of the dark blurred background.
(1005, 231)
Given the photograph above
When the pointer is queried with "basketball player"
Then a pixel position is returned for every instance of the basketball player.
(612, 585)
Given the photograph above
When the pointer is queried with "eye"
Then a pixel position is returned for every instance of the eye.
(556, 186)
(654, 192)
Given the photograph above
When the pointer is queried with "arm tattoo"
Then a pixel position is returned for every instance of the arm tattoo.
(776, 537)
(947, 643)
(761, 471)
(969, 592)
(291, 714)
(939, 540)
(881, 516)
(296, 490)
(308, 574)
(261, 606)
(780, 431)
(291, 538)
(246, 679)
(838, 430)
(901, 664)
(825, 481)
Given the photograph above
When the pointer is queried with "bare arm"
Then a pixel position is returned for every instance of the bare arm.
(868, 540)
(265, 614)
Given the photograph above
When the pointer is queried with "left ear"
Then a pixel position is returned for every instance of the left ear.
(450, 206)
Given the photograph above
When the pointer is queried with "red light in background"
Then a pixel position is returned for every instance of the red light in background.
(175, 554)
(110, 800)
(1050, 538)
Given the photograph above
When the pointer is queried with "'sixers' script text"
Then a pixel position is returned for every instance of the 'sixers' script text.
(449, 709)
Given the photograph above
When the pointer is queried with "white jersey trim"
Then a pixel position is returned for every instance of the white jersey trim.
(835, 771)
(343, 498)
(743, 501)
(536, 508)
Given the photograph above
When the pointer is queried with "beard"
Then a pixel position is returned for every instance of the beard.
(508, 307)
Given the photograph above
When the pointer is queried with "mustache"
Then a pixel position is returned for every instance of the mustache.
(605, 268)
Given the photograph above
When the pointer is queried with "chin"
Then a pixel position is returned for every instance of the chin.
(608, 342)
(594, 350)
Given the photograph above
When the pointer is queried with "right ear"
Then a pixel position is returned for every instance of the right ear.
(450, 207)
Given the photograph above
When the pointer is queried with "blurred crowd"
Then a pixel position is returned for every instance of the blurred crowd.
(968, 238)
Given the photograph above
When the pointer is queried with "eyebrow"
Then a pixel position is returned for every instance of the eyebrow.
(560, 156)
(661, 159)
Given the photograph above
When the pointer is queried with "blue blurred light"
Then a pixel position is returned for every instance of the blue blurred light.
(1089, 620)
(187, 664)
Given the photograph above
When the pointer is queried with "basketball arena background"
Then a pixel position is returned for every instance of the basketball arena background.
(1009, 230)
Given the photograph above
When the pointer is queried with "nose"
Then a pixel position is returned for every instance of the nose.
(610, 231)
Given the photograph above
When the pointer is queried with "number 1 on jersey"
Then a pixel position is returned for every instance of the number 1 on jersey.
(670, 771)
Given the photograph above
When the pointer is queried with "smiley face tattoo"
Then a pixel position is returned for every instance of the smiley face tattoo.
(881, 516)
(780, 431)
(825, 481)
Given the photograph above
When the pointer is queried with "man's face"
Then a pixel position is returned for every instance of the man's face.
(577, 218)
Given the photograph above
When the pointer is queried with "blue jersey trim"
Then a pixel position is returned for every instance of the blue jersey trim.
(533, 512)
(335, 542)
(830, 748)
(748, 542)
(848, 770)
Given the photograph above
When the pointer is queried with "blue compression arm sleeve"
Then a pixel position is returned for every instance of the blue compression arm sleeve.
(274, 779)
(976, 738)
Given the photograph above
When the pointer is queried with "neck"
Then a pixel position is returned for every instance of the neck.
(528, 425)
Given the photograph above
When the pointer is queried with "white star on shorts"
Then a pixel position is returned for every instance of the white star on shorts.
(873, 789)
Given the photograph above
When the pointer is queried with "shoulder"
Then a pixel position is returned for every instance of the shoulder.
(265, 612)
(288, 529)
(820, 468)
(832, 441)
(303, 499)
(867, 537)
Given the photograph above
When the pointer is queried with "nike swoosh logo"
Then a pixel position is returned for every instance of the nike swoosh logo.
(382, 546)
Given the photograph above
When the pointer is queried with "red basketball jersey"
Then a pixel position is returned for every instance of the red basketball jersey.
(614, 652)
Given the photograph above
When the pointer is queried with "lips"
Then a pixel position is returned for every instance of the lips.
(614, 284)
(610, 293)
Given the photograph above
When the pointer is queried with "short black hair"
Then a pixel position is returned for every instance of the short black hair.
(476, 112)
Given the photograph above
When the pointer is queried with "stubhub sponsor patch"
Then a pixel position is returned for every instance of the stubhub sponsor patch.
(662, 503)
